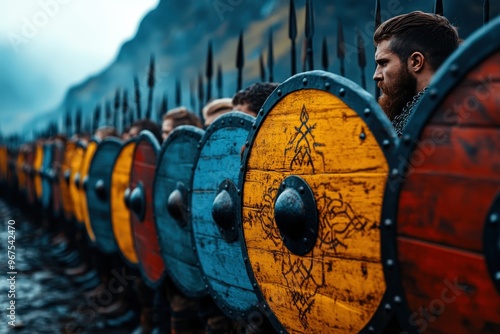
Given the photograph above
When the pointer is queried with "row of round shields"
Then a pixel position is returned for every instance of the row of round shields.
(314, 214)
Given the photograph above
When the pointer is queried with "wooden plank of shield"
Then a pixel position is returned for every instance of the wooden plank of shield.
(312, 185)
(216, 215)
(37, 168)
(146, 242)
(120, 213)
(57, 178)
(98, 191)
(173, 176)
(48, 150)
(443, 260)
(82, 192)
(65, 179)
(74, 180)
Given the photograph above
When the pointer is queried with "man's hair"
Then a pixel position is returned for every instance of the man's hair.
(182, 116)
(432, 35)
(146, 124)
(254, 95)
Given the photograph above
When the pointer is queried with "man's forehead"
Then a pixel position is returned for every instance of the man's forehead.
(383, 49)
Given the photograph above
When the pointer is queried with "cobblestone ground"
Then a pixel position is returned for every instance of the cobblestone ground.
(45, 300)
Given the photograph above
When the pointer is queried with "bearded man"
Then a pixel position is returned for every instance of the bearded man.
(409, 50)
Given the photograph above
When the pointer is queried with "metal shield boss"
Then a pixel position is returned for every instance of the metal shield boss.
(140, 202)
(443, 259)
(120, 212)
(98, 190)
(171, 191)
(313, 181)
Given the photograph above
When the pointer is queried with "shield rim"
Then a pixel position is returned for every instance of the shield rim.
(105, 142)
(243, 121)
(180, 131)
(147, 136)
(481, 44)
(123, 257)
(364, 104)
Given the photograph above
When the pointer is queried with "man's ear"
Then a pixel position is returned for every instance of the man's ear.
(416, 62)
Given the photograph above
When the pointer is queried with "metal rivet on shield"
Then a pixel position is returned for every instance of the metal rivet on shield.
(304, 81)
(362, 136)
(388, 223)
(406, 139)
(394, 172)
(397, 299)
(241, 122)
(371, 329)
(433, 93)
(388, 307)
(494, 218)
(301, 190)
(327, 85)
(247, 143)
(261, 112)
(386, 143)
(254, 125)
(367, 112)
(454, 69)
(389, 263)
(342, 92)
(497, 276)
(279, 92)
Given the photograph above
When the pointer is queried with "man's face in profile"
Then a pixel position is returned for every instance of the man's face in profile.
(397, 84)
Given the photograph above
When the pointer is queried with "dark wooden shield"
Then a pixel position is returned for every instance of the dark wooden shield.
(82, 191)
(46, 172)
(26, 159)
(98, 190)
(443, 259)
(74, 181)
(56, 178)
(172, 180)
(37, 170)
(146, 241)
(120, 213)
(312, 182)
(65, 180)
(216, 214)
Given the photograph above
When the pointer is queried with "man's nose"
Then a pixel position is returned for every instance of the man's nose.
(377, 76)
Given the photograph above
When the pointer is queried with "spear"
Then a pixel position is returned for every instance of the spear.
(192, 98)
(137, 98)
(324, 55)
(201, 97)
(240, 62)
(151, 85)
(486, 11)
(209, 71)
(309, 33)
(107, 113)
(97, 117)
(378, 21)
(292, 34)
(117, 108)
(262, 68)
(124, 109)
(362, 59)
(219, 80)
(270, 57)
(163, 109)
(78, 121)
(304, 54)
(68, 122)
(438, 7)
(178, 96)
(341, 47)
(378, 16)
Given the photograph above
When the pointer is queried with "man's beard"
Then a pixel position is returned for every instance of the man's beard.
(396, 96)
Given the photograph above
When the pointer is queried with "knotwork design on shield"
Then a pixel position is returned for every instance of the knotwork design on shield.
(303, 144)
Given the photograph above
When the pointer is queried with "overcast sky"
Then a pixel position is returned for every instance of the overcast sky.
(46, 46)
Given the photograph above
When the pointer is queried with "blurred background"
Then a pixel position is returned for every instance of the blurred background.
(59, 56)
